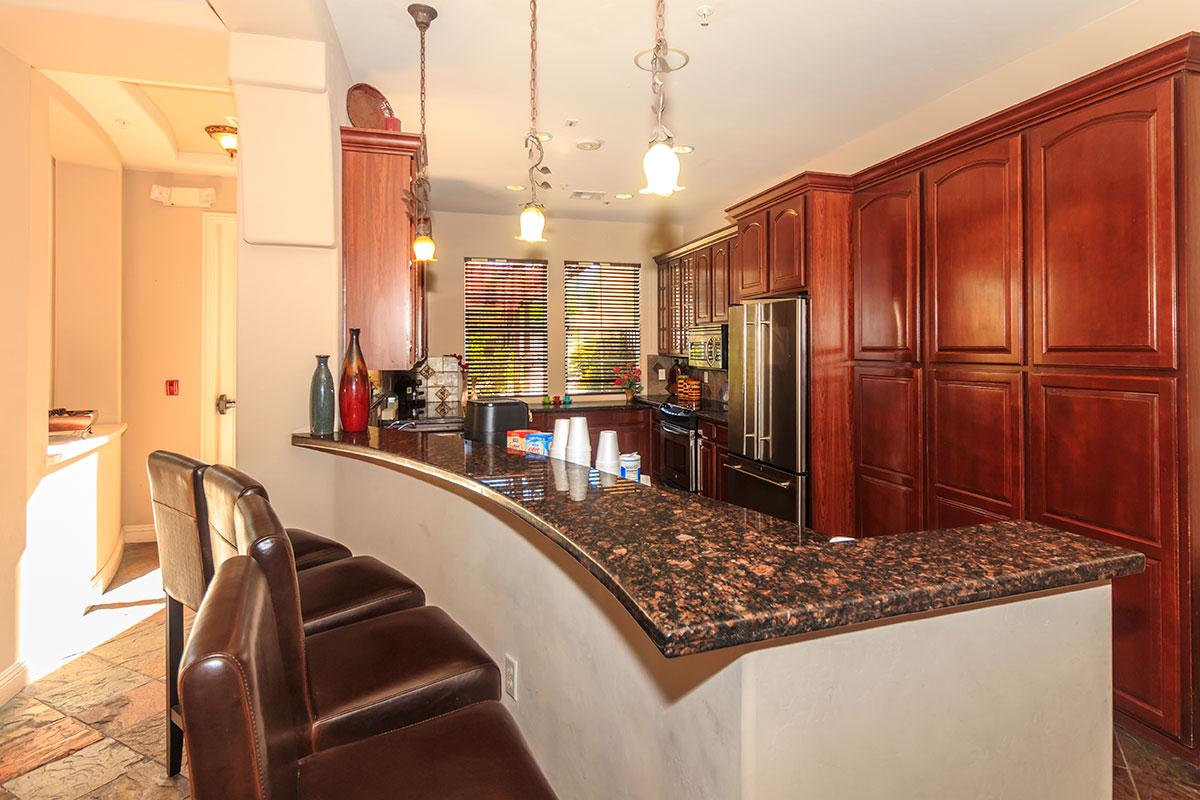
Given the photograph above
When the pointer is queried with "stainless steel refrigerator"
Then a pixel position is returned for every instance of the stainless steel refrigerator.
(767, 468)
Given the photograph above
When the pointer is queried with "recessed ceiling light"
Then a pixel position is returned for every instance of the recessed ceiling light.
(589, 145)
(515, 187)
(544, 136)
(623, 196)
(683, 149)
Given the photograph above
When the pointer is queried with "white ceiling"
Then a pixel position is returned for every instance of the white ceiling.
(771, 85)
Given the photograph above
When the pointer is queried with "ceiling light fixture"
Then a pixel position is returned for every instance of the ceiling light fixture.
(224, 135)
(623, 196)
(515, 187)
(589, 145)
(683, 149)
(533, 214)
(660, 164)
(423, 245)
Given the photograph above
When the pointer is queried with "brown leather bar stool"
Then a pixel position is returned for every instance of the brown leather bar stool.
(375, 675)
(249, 738)
(331, 595)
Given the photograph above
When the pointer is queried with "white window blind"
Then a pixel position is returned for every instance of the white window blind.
(506, 326)
(603, 322)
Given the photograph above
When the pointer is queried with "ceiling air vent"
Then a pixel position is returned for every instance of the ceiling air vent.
(587, 195)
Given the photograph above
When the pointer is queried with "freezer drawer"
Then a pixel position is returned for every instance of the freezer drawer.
(765, 489)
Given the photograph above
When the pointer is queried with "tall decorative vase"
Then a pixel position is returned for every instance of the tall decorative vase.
(321, 399)
(354, 393)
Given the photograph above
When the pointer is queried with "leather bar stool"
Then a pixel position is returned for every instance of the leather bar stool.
(331, 595)
(375, 675)
(249, 738)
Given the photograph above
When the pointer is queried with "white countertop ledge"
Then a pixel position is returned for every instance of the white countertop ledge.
(68, 450)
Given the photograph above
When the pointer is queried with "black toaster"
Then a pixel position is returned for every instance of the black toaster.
(489, 419)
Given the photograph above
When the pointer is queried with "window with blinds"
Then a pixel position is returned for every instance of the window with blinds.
(603, 322)
(506, 326)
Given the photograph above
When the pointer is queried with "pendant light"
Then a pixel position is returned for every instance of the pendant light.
(423, 245)
(533, 214)
(661, 163)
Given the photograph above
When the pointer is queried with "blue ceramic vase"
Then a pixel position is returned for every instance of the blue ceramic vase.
(322, 396)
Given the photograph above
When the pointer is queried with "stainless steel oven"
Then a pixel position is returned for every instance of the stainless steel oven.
(679, 445)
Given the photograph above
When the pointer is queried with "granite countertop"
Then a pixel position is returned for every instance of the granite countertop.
(698, 574)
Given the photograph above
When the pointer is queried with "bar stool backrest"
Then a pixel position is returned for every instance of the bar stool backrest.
(245, 733)
(178, 504)
(223, 487)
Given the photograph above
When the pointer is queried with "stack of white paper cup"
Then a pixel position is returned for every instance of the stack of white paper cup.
(558, 444)
(579, 446)
(608, 455)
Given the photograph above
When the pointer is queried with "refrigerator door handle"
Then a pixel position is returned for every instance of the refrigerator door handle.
(766, 384)
(750, 340)
(739, 468)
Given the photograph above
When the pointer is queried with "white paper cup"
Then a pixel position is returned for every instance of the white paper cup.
(580, 456)
(558, 445)
(609, 467)
(607, 450)
(577, 438)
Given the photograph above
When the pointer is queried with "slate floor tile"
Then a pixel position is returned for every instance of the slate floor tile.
(83, 682)
(77, 774)
(42, 745)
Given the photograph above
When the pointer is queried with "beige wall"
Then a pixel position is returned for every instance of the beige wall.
(163, 249)
(87, 289)
(461, 236)
(1129, 30)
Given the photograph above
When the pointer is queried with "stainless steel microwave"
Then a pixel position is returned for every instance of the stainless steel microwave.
(708, 347)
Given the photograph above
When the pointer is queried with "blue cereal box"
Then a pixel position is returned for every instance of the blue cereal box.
(538, 443)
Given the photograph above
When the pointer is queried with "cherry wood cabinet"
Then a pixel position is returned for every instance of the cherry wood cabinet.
(1102, 232)
(714, 447)
(384, 288)
(702, 270)
(719, 257)
(887, 449)
(664, 308)
(750, 277)
(976, 446)
(786, 252)
(1103, 462)
(974, 269)
(887, 250)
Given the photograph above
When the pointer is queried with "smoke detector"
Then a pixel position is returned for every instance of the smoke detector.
(582, 194)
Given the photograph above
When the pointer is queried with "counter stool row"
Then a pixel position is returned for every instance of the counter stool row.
(305, 661)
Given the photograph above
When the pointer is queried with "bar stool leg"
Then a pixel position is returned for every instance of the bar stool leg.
(174, 628)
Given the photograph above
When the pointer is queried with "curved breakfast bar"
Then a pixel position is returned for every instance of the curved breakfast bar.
(775, 654)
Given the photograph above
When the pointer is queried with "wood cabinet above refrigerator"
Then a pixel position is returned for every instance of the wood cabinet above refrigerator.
(384, 289)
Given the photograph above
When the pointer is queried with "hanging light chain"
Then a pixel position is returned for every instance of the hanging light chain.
(532, 66)
(657, 61)
(422, 30)
(532, 143)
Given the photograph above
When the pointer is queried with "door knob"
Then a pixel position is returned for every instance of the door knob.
(224, 403)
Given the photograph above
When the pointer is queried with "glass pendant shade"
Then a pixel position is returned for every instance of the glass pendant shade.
(661, 166)
(424, 247)
(533, 222)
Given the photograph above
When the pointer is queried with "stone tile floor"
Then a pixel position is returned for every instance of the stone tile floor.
(92, 729)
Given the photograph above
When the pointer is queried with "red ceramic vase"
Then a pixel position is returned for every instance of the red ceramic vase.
(354, 392)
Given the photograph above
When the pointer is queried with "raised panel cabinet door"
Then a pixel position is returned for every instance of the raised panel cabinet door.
(1102, 233)
(676, 305)
(702, 268)
(383, 290)
(664, 308)
(886, 235)
(708, 468)
(719, 265)
(976, 446)
(974, 270)
(750, 275)
(887, 449)
(787, 264)
(1103, 463)
(687, 299)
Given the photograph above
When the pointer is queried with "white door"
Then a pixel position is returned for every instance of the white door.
(218, 350)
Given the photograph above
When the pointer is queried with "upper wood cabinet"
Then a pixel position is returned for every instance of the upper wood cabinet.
(1102, 233)
(750, 277)
(702, 269)
(974, 276)
(384, 288)
(887, 249)
(664, 307)
(786, 253)
(719, 257)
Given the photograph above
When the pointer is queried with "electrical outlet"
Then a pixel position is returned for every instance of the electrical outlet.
(662, 374)
(510, 676)
(706, 374)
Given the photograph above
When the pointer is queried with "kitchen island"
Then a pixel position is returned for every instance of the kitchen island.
(689, 648)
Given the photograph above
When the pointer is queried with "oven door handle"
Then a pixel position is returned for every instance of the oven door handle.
(676, 430)
(749, 474)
